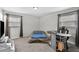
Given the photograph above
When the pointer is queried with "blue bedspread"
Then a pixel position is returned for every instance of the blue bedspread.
(39, 35)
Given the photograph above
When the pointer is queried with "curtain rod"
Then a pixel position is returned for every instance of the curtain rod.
(14, 14)
(68, 12)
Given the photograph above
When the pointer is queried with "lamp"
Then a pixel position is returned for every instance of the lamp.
(35, 8)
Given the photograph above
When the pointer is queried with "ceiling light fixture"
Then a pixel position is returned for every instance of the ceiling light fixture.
(35, 8)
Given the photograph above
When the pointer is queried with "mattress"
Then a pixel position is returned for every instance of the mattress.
(39, 36)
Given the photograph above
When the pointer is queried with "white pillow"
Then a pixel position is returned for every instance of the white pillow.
(6, 38)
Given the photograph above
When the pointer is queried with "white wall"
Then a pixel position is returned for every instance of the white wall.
(1, 15)
(30, 24)
(49, 22)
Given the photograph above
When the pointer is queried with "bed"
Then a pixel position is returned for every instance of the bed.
(39, 37)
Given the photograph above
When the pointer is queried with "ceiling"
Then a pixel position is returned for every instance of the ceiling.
(31, 11)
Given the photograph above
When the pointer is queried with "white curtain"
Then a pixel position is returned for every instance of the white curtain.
(70, 21)
(14, 26)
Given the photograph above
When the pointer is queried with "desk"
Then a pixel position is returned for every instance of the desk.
(66, 35)
(62, 44)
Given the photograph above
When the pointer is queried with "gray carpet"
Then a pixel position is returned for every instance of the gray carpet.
(72, 48)
(22, 45)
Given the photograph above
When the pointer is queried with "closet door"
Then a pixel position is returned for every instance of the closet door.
(14, 26)
(70, 21)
